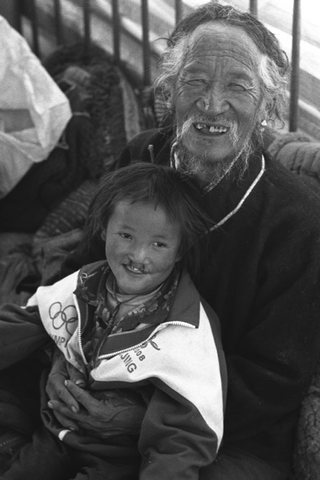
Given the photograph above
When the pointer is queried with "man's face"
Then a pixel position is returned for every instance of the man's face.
(218, 92)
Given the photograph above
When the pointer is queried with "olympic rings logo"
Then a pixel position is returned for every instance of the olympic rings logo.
(62, 316)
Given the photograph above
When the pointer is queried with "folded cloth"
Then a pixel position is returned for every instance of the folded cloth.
(279, 140)
(306, 458)
(11, 443)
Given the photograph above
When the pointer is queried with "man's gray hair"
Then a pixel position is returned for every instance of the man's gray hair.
(274, 65)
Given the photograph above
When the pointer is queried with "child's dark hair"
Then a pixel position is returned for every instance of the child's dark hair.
(176, 193)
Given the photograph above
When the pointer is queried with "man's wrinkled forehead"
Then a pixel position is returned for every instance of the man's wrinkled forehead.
(223, 41)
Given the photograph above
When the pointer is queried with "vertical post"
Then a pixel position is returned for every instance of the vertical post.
(58, 23)
(145, 43)
(35, 29)
(295, 65)
(86, 24)
(254, 7)
(11, 10)
(178, 4)
(116, 30)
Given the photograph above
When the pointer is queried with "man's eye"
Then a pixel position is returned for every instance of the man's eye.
(237, 87)
(195, 82)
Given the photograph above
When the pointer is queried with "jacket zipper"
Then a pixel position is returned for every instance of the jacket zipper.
(79, 330)
(156, 330)
(98, 346)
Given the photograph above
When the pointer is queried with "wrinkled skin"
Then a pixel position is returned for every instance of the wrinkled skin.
(77, 409)
(219, 87)
(67, 396)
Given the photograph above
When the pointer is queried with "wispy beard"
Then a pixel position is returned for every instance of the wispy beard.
(201, 165)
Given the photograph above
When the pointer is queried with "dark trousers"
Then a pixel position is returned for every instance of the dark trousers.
(235, 464)
(48, 458)
(45, 457)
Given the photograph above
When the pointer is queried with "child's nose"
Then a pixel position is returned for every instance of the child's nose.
(139, 254)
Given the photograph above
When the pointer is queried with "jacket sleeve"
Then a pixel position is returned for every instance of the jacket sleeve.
(21, 333)
(174, 443)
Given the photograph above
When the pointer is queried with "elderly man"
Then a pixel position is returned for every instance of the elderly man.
(223, 76)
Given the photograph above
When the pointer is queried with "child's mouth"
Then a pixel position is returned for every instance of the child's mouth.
(138, 269)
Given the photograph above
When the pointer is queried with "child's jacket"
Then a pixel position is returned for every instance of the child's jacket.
(182, 357)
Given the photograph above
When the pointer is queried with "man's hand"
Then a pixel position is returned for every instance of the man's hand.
(103, 417)
(57, 391)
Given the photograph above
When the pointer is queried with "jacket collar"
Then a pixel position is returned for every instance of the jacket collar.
(230, 195)
(184, 309)
(160, 308)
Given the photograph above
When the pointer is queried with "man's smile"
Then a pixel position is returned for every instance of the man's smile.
(211, 129)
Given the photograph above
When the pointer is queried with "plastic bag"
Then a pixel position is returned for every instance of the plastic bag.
(33, 110)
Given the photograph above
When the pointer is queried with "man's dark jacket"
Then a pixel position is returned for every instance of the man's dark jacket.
(261, 274)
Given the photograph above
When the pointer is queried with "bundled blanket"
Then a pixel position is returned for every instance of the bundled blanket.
(301, 156)
(50, 203)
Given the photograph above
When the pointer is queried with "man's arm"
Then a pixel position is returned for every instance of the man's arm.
(271, 365)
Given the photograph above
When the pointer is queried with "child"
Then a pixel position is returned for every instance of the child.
(135, 326)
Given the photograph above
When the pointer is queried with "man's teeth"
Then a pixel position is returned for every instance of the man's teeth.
(212, 129)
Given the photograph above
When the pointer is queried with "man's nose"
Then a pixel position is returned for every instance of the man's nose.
(213, 102)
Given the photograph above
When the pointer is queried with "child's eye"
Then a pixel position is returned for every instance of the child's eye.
(125, 235)
(159, 244)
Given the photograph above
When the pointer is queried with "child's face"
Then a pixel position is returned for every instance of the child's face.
(142, 246)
